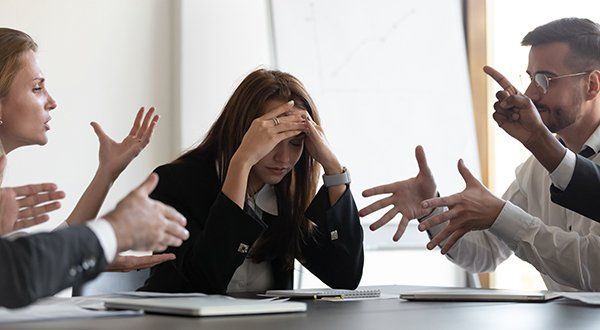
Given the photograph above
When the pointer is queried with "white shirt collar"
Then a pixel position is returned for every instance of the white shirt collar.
(266, 200)
(594, 140)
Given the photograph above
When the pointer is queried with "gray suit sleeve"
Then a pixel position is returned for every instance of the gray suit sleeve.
(41, 265)
(582, 195)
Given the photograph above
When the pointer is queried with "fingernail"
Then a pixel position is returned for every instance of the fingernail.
(290, 102)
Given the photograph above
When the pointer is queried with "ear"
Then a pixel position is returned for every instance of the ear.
(593, 85)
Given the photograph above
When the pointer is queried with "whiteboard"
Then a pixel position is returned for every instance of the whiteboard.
(386, 75)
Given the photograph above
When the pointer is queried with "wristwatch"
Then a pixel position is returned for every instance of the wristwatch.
(337, 179)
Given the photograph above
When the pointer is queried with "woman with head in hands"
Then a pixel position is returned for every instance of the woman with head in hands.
(248, 192)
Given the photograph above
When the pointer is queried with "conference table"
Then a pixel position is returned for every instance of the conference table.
(367, 314)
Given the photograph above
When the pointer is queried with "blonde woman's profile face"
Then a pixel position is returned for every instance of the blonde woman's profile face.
(25, 110)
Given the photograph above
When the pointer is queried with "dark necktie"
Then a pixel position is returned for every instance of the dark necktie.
(587, 152)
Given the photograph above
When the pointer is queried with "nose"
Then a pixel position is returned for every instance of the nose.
(282, 152)
(50, 103)
(533, 92)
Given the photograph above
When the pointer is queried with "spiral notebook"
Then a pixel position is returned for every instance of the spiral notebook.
(324, 293)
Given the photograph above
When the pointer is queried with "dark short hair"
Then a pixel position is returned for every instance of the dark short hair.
(581, 34)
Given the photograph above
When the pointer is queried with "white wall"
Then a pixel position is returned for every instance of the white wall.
(102, 60)
(221, 42)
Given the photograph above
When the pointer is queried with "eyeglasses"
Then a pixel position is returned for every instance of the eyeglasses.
(543, 81)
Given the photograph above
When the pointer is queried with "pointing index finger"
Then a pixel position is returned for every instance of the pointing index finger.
(501, 80)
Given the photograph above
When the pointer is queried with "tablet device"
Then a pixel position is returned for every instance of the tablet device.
(492, 295)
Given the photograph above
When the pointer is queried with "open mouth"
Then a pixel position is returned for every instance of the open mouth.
(46, 125)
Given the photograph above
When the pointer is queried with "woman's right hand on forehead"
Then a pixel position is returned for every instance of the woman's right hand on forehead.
(267, 131)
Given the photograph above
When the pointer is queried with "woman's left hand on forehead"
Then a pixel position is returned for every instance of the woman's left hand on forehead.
(317, 145)
(115, 156)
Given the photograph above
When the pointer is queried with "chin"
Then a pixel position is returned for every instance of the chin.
(42, 141)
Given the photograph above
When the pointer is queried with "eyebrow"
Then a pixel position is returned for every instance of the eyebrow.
(40, 79)
(547, 72)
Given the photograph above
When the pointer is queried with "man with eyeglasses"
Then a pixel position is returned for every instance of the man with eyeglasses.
(478, 230)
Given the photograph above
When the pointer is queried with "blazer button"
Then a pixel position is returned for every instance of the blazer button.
(243, 248)
(72, 272)
(334, 235)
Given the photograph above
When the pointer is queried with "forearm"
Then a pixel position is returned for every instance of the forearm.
(236, 180)
(546, 149)
(335, 254)
(89, 204)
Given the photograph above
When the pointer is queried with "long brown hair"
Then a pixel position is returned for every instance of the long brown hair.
(297, 188)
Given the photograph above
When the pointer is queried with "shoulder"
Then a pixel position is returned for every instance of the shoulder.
(185, 175)
(188, 169)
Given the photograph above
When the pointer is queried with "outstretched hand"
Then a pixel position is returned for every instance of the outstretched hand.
(406, 196)
(115, 156)
(130, 263)
(26, 206)
(475, 208)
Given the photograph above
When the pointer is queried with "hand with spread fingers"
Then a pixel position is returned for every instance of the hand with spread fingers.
(268, 130)
(406, 197)
(514, 112)
(115, 156)
(129, 263)
(475, 208)
(33, 203)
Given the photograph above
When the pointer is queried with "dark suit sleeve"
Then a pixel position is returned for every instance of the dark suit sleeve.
(582, 195)
(335, 253)
(41, 265)
(218, 239)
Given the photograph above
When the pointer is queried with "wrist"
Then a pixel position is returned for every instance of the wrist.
(105, 175)
(332, 168)
(546, 149)
(124, 238)
(240, 164)
(497, 206)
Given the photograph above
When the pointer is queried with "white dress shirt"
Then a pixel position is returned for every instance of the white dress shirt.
(251, 276)
(562, 245)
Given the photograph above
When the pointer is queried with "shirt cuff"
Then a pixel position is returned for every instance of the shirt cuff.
(106, 235)
(562, 174)
(512, 224)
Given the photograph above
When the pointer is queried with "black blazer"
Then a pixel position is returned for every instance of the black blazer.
(582, 195)
(219, 229)
(41, 265)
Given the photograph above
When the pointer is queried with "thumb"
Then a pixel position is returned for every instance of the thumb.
(148, 185)
(422, 161)
(466, 174)
(98, 130)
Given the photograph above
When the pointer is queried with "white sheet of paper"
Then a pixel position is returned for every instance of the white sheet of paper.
(53, 311)
(591, 298)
